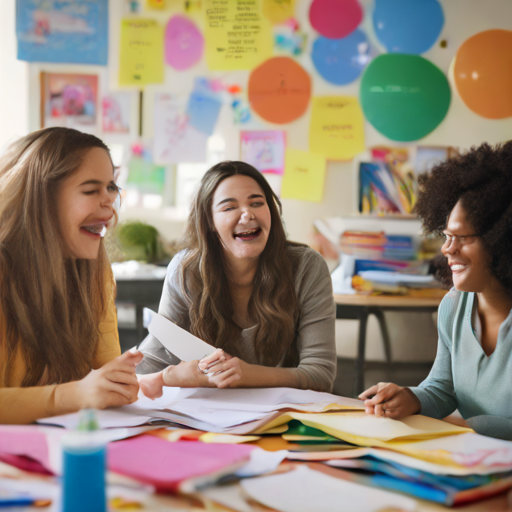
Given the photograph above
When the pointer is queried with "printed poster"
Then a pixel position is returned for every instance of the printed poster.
(264, 150)
(304, 176)
(69, 100)
(175, 140)
(141, 58)
(336, 129)
(237, 35)
(64, 31)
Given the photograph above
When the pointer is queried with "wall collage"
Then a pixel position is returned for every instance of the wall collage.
(401, 94)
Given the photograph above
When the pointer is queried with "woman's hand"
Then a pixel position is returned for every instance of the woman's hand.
(389, 400)
(218, 369)
(228, 373)
(113, 385)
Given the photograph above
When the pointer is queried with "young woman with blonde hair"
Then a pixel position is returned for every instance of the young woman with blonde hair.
(264, 302)
(59, 346)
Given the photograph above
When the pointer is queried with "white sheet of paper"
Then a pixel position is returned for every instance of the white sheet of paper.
(176, 340)
(175, 140)
(304, 489)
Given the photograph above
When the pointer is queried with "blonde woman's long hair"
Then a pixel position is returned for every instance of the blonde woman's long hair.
(51, 304)
(273, 305)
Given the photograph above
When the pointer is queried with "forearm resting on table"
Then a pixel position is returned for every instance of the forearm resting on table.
(256, 376)
(26, 405)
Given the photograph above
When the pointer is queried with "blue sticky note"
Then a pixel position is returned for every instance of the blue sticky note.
(203, 107)
(408, 26)
(64, 31)
(341, 61)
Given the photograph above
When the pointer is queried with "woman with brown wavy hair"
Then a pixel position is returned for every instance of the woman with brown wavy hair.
(57, 313)
(264, 302)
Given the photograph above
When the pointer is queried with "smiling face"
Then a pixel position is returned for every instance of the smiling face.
(241, 217)
(84, 204)
(469, 262)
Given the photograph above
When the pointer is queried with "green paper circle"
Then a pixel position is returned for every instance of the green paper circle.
(404, 97)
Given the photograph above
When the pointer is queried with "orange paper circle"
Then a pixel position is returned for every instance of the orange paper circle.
(483, 73)
(279, 90)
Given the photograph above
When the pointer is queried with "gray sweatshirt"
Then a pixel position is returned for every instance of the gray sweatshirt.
(315, 336)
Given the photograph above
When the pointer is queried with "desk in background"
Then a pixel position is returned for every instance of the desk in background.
(360, 307)
(141, 285)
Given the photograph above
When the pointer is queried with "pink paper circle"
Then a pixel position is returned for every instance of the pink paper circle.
(184, 43)
(335, 18)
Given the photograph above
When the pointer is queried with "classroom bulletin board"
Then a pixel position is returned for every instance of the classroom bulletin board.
(290, 85)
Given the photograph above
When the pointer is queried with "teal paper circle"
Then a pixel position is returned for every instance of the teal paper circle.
(404, 97)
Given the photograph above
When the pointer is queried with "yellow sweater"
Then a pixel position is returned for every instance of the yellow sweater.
(25, 405)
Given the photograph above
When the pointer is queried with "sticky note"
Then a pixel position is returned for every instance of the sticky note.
(279, 11)
(237, 34)
(141, 54)
(203, 107)
(336, 128)
(304, 176)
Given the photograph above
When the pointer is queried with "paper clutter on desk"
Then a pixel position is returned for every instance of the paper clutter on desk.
(175, 467)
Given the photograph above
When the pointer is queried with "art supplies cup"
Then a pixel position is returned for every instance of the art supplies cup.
(84, 464)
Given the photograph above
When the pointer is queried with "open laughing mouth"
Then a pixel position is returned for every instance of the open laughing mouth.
(248, 235)
(96, 230)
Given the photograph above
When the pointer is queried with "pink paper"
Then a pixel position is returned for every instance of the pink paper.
(335, 18)
(183, 43)
(264, 150)
(20, 445)
(165, 465)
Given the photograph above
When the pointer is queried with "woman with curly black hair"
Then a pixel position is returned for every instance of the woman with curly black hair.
(467, 200)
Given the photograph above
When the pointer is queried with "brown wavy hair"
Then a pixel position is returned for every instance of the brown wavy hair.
(273, 304)
(481, 179)
(51, 305)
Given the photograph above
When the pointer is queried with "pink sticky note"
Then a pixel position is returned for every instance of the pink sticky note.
(184, 43)
(167, 465)
(335, 19)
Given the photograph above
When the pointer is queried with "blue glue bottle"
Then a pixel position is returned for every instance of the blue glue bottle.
(84, 464)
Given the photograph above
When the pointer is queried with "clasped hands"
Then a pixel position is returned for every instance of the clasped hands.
(218, 369)
(388, 400)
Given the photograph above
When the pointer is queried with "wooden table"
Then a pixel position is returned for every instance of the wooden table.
(360, 307)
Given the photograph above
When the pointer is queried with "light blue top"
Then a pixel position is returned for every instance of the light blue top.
(464, 377)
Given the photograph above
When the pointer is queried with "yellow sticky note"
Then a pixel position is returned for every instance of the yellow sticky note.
(304, 176)
(278, 11)
(155, 4)
(141, 59)
(336, 128)
(237, 35)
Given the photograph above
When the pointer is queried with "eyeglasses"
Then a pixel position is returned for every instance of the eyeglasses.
(460, 239)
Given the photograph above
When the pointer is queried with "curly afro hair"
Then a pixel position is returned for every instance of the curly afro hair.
(481, 179)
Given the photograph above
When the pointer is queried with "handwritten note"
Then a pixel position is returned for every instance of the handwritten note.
(141, 59)
(304, 176)
(175, 140)
(336, 129)
(237, 35)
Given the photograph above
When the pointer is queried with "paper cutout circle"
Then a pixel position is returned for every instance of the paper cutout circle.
(341, 61)
(483, 73)
(184, 43)
(404, 97)
(335, 18)
(408, 26)
(279, 90)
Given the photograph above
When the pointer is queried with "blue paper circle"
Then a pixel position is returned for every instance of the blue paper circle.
(341, 61)
(408, 26)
